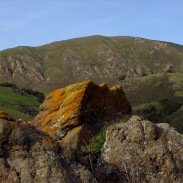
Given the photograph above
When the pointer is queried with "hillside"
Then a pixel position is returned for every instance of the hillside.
(158, 97)
(19, 103)
(98, 58)
(154, 87)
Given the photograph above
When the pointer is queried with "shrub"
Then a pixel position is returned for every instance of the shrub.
(96, 144)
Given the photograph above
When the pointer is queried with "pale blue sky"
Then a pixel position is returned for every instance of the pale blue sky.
(37, 22)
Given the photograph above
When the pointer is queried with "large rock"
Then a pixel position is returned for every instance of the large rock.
(28, 155)
(72, 114)
(144, 151)
(4, 115)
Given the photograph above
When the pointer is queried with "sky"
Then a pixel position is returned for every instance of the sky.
(38, 22)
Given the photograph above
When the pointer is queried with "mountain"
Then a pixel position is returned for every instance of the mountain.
(98, 58)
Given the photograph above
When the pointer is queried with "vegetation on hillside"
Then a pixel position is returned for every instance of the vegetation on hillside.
(19, 103)
(158, 97)
(99, 58)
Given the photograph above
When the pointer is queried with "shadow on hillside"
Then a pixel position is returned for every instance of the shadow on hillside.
(156, 99)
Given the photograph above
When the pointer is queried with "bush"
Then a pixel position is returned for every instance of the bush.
(25, 91)
(96, 145)
(11, 85)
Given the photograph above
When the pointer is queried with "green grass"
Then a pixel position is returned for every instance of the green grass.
(154, 88)
(157, 97)
(11, 102)
(176, 120)
(177, 80)
(96, 144)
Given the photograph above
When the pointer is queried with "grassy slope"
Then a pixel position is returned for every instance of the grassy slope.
(11, 102)
(154, 87)
(157, 97)
(130, 48)
(135, 50)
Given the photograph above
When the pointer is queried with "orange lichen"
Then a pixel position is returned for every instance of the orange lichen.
(74, 112)
(49, 129)
(3, 114)
(64, 110)
(63, 104)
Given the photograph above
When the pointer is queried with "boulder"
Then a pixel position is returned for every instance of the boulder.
(4, 115)
(73, 114)
(144, 151)
(28, 155)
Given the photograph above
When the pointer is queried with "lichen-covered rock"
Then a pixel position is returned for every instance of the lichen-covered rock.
(73, 113)
(147, 152)
(4, 115)
(28, 155)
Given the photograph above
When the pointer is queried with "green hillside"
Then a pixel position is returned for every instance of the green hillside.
(98, 58)
(18, 104)
(157, 97)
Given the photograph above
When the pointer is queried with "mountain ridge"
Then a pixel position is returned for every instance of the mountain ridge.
(75, 38)
(97, 58)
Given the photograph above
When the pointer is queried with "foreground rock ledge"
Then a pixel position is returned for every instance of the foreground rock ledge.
(76, 112)
(30, 156)
(144, 151)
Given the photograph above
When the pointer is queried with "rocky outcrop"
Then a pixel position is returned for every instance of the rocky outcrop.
(4, 115)
(23, 69)
(137, 151)
(72, 114)
(4, 72)
(144, 152)
(28, 155)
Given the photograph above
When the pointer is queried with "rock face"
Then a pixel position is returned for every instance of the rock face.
(28, 155)
(74, 113)
(4, 115)
(146, 152)
(4, 71)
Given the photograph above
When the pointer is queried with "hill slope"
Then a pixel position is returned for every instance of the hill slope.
(19, 103)
(101, 59)
(158, 97)
(154, 88)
